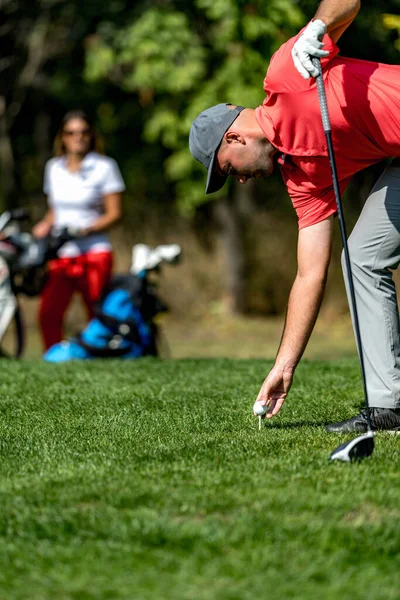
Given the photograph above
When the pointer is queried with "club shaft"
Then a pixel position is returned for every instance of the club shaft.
(328, 134)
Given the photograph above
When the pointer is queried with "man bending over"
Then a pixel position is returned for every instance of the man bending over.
(364, 104)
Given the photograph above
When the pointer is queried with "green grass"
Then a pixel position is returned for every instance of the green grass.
(146, 480)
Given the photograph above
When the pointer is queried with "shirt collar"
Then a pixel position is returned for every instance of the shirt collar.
(87, 163)
(89, 159)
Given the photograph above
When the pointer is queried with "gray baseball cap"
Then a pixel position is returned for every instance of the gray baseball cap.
(205, 137)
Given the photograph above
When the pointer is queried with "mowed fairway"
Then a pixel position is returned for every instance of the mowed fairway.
(150, 480)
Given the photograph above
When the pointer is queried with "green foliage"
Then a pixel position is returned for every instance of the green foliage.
(165, 53)
(150, 480)
(392, 22)
(180, 60)
(100, 61)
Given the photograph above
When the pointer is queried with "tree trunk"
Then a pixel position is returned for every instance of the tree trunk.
(7, 164)
(231, 213)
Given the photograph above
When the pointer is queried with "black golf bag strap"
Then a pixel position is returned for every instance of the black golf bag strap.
(20, 333)
(106, 352)
(126, 329)
(135, 287)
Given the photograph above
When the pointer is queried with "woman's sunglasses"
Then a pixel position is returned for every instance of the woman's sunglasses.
(71, 132)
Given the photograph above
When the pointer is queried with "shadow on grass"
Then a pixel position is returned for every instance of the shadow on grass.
(297, 425)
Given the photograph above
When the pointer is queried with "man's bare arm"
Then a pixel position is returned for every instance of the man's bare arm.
(313, 255)
(332, 17)
(314, 252)
(337, 15)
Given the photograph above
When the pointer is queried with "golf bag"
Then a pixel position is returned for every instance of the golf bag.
(123, 325)
(23, 260)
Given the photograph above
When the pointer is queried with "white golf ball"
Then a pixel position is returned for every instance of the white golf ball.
(259, 409)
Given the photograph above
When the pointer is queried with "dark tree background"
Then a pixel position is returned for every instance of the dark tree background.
(145, 69)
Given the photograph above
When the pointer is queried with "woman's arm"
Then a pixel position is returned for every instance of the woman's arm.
(112, 214)
(43, 227)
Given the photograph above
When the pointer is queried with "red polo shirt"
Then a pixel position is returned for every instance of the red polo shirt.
(364, 107)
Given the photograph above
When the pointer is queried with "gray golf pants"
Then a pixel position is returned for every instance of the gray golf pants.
(374, 246)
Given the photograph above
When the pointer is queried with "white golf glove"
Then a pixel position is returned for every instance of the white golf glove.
(309, 46)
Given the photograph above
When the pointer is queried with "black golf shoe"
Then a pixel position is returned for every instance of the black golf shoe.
(382, 419)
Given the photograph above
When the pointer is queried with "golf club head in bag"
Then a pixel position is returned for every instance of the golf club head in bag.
(145, 258)
(354, 450)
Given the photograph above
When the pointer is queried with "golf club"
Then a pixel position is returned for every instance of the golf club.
(363, 445)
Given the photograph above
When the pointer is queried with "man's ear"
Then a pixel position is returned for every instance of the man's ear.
(233, 137)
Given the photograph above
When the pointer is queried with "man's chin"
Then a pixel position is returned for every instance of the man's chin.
(264, 172)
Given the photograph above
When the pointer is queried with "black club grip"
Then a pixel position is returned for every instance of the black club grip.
(326, 124)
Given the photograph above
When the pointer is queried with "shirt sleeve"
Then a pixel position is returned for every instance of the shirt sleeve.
(46, 178)
(113, 182)
(313, 207)
(311, 210)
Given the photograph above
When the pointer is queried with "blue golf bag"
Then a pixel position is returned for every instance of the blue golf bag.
(123, 326)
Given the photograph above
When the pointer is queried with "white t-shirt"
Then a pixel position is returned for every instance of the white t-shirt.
(77, 199)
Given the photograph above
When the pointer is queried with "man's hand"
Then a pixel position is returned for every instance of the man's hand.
(275, 389)
(309, 45)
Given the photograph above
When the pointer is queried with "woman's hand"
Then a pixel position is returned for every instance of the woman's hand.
(42, 229)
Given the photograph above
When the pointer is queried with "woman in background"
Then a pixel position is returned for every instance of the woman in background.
(84, 190)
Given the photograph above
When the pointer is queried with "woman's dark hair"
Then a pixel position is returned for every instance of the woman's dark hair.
(96, 143)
